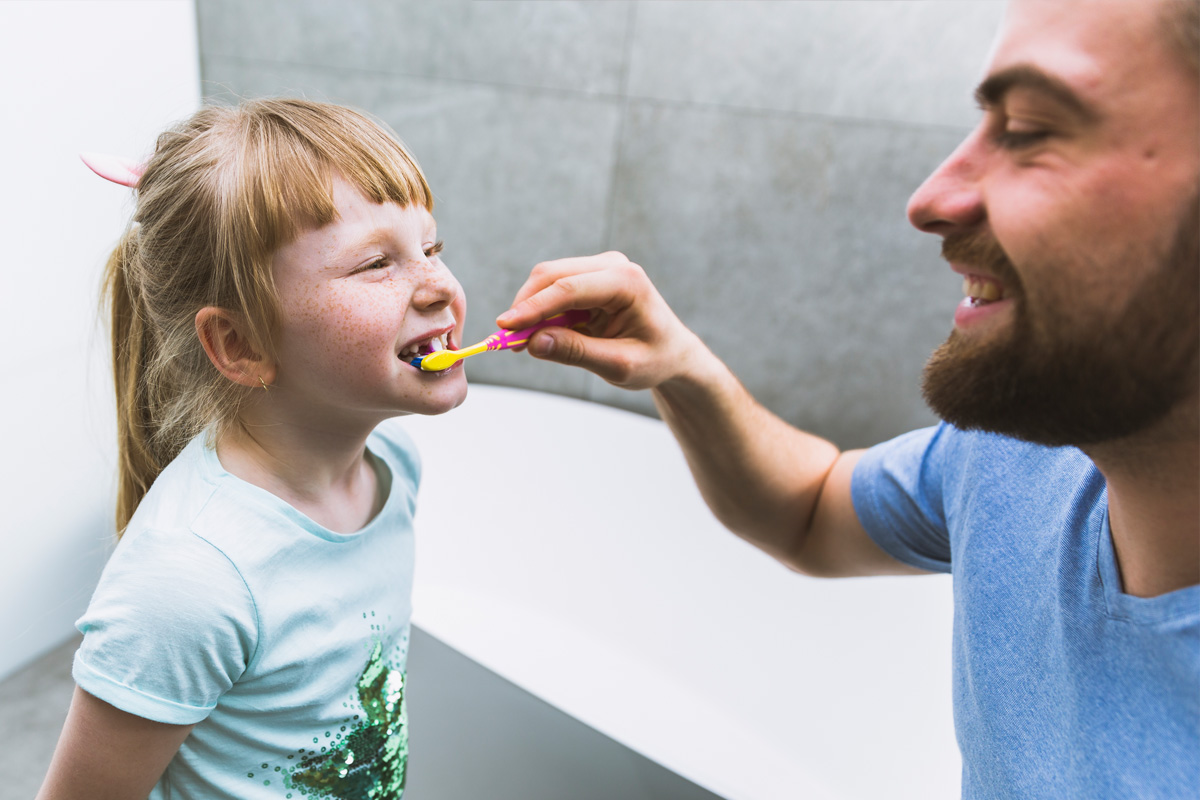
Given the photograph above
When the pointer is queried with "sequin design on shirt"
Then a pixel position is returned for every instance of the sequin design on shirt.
(367, 759)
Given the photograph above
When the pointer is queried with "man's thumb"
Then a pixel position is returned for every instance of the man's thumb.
(544, 344)
(608, 358)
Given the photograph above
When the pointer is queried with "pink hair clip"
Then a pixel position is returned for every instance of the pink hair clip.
(114, 168)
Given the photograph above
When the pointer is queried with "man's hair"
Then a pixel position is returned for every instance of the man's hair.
(1181, 21)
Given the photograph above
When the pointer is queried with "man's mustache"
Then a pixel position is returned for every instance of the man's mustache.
(982, 251)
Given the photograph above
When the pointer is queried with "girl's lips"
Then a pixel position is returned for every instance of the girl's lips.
(447, 332)
(441, 339)
(439, 373)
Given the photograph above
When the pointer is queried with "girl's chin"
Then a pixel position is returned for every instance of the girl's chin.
(445, 392)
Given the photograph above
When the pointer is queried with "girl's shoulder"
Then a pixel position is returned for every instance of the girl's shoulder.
(180, 492)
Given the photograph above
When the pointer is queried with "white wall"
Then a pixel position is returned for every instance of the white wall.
(86, 75)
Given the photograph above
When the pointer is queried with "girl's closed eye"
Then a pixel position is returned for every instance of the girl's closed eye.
(383, 262)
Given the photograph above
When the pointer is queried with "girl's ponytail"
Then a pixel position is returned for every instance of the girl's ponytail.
(136, 466)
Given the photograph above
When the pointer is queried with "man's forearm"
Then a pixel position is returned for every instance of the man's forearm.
(761, 477)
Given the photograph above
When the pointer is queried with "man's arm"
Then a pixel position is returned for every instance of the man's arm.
(783, 490)
(108, 754)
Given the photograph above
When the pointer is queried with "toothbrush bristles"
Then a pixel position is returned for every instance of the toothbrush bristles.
(416, 362)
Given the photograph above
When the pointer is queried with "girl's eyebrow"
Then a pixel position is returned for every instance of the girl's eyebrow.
(372, 238)
(1026, 76)
(349, 250)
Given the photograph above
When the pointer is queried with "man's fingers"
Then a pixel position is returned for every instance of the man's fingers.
(607, 289)
(546, 302)
(548, 273)
(630, 321)
(608, 358)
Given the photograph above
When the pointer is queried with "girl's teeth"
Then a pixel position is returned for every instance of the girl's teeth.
(413, 350)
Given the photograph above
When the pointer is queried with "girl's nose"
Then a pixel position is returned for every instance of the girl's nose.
(951, 198)
(438, 288)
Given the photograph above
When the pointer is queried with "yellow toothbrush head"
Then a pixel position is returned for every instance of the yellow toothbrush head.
(500, 340)
(436, 362)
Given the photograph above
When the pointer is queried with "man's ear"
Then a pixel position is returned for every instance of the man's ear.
(231, 350)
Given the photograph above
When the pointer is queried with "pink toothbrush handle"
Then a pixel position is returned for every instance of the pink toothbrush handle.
(502, 340)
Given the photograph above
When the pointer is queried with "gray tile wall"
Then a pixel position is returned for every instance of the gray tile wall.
(754, 157)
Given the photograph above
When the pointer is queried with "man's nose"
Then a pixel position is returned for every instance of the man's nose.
(951, 198)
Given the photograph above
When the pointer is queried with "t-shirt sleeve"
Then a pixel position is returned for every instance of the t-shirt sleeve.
(897, 490)
(170, 628)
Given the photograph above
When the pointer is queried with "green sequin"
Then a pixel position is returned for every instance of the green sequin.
(370, 762)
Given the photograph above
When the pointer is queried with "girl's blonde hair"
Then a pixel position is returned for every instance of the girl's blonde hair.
(223, 191)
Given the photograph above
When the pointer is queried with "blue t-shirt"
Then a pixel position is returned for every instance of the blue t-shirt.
(283, 642)
(1064, 686)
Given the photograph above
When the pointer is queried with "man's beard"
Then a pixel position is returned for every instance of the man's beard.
(1075, 378)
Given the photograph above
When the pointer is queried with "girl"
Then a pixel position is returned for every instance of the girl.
(248, 637)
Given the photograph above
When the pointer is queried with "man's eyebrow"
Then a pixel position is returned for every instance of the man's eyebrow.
(1024, 76)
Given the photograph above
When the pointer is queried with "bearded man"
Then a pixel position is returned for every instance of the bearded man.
(1062, 489)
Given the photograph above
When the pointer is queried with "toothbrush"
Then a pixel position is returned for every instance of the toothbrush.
(500, 340)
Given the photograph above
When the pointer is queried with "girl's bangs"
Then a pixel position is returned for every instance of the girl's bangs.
(287, 183)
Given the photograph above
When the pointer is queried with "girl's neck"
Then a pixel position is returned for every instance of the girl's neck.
(323, 474)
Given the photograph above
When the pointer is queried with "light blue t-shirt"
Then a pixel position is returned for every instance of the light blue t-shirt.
(1064, 686)
(284, 642)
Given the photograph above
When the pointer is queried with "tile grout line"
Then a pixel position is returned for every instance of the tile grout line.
(623, 102)
(589, 386)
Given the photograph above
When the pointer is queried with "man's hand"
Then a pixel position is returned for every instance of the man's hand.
(785, 491)
(634, 339)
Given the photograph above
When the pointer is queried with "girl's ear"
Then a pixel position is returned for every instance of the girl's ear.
(231, 350)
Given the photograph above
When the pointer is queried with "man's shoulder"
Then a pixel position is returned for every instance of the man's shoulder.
(996, 482)
(1005, 455)
(948, 467)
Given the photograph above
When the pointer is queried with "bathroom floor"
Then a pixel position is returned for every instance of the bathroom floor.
(480, 736)
(33, 706)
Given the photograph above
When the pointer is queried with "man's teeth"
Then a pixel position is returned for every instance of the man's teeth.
(429, 346)
(982, 290)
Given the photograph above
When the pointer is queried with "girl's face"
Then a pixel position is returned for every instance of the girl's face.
(357, 297)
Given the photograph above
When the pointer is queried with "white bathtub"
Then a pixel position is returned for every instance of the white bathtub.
(563, 546)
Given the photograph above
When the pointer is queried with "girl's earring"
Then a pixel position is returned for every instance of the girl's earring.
(264, 384)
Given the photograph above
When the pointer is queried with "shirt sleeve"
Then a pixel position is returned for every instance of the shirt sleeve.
(170, 628)
(897, 490)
